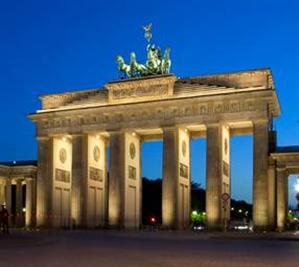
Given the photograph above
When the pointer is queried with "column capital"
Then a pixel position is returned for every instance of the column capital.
(281, 167)
(116, 132)
(271, 162)
(284, 171)
(43, 138)
(19, 180)
(170, 128)
(260, 121)
(213, 125)
(79, 135)
(66, 136)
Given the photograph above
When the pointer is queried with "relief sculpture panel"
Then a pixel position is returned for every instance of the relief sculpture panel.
(62, 175)
(184, 171)
(95, 174)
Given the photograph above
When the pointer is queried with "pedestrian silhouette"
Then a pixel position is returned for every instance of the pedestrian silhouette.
(4, 216)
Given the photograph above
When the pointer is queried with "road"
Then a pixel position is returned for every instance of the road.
(142, 249)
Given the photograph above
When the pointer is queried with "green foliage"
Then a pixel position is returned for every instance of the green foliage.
(291, 215)
(198, 217)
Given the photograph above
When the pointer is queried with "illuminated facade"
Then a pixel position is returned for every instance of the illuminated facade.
(19, 176)
(74, 130)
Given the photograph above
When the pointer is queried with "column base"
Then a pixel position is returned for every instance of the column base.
(261, 229)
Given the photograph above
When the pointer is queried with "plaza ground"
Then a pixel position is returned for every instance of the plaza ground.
(167, 249)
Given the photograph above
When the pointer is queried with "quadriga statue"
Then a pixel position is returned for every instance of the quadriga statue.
(155, 63)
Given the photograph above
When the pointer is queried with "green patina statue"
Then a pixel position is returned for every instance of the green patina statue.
(155, 63)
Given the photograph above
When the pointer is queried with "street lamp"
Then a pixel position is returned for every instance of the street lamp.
(297, 192)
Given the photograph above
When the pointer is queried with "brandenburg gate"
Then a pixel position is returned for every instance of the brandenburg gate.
(74, 129)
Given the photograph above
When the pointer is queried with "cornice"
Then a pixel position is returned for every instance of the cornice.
(18, 171)
(132, 90)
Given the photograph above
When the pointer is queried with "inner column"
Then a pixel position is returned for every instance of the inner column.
(44, 182)
(2, 191)
(260, 175)
(95, 203)
(272, 194)
(79, 179)
(8, 197)
(30, 202)
(124, 180)
(282, 198)
(176, 178)
(218, 176)
(19, 199)
(62, 181)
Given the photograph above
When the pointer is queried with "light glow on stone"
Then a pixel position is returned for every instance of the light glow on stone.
(297, 186)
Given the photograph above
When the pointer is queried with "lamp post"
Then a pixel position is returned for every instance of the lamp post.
(297, 192)
(297, 197)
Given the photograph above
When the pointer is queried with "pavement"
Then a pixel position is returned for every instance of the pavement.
(101, 248)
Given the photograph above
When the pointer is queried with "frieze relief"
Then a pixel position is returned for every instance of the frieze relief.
(158, 90)
(151, 114)
(140, 89)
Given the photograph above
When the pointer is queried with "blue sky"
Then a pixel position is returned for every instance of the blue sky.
(56, 46)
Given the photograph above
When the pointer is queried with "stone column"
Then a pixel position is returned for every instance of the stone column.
(30, 202)
(176, 178)
(260, 175)
(218, 175)
(8, 196)
(61, 179)
(272, 194)
(170, 178)
(19, 202)
(44, 190)
(282, 198)
(95, 204)
(124, 180)
(79, 180)
(116, 179)
(2, 192)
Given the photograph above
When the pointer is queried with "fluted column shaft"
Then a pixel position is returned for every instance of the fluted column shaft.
(218, 176)
(19, 202)
(282, 198)
(176, 178)
(8, 196)
(260, 175)
(30, 202)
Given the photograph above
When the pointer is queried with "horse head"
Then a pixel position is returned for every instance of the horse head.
(119, 59)
(132, 57)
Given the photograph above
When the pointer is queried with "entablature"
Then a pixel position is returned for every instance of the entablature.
(287, 158)
(18, 171)
(164, 87)
(250, 106)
